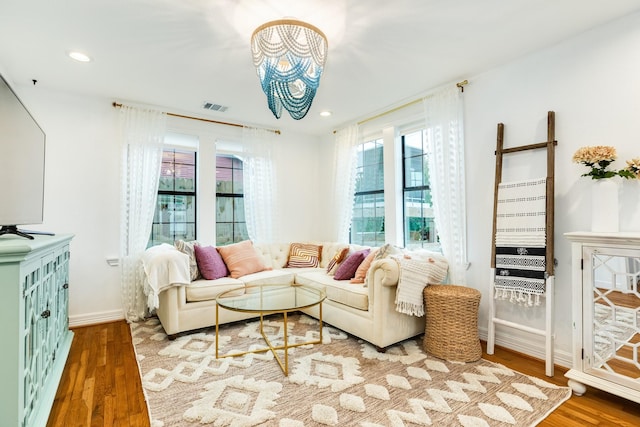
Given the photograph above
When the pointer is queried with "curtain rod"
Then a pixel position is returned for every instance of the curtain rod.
(276, 131)
(415, 101)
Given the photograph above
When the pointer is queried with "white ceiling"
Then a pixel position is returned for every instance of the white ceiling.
(177, 54)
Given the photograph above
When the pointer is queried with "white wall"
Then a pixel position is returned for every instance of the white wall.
(82, 194)
(591, 82)
(82, 190)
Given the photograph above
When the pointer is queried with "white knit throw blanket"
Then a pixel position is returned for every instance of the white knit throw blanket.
(415, 274)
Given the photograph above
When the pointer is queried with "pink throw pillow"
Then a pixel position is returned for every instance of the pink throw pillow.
(361, 272)
(210, 262)
(242, 258)
(349, 266)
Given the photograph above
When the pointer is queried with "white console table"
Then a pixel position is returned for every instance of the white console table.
(606, 313)
(34, 332)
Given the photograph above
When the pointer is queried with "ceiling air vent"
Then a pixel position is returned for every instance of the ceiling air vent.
(214, 107)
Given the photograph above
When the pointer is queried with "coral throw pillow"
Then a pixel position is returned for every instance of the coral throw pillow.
(210, 263)
(361, 272)
(304, 255)
(333, 265)
(348, 268)
(242, 258)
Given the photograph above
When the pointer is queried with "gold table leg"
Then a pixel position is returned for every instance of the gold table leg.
(284, 366)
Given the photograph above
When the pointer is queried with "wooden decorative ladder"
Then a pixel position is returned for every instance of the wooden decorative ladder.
(548, 331)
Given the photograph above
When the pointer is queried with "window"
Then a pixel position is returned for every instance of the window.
(175, 214)
(367, 225)
(419, 229)
(230, 221)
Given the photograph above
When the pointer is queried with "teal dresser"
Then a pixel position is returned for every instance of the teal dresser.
(34, 326)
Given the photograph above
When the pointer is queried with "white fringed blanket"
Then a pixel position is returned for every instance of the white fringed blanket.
(415, 274)
(162, 272)
(521, 241)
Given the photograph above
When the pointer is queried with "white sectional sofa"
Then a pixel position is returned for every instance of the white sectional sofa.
(365, 310)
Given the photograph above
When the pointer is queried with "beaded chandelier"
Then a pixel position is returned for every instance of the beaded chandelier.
(289, 56)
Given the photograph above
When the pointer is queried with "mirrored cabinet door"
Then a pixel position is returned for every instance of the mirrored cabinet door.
(611, 277)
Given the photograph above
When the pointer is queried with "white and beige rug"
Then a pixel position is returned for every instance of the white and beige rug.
(342, 382)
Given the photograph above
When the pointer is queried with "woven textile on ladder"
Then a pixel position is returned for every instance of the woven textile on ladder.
(520, 241)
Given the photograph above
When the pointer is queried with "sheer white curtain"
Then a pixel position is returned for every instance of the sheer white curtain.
(344, 176)
(445, 136)
(141, 140)
(259, 184)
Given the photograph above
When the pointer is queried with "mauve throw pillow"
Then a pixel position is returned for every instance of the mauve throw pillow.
(349, 266)
(210, 263)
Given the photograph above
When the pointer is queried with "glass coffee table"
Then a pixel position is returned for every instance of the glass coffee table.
(271, 299)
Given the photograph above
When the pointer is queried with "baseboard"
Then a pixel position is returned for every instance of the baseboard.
(529, 344)
(95, 318)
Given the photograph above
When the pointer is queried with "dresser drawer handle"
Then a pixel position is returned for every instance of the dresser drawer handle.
(45, 314)
(65, 286)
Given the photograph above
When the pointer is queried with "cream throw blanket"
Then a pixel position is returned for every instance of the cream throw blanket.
(164, 266)
(416, 272)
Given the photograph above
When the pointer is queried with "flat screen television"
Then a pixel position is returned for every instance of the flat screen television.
(22, 156)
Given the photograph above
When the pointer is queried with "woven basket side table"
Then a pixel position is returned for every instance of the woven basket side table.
(451, 330)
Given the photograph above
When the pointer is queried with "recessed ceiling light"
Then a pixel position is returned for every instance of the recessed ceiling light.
(325, 113)
(79, 56)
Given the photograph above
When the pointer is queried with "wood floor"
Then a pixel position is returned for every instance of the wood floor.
(101, 386)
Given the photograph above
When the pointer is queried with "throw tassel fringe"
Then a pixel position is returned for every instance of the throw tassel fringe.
(518, 297)
(409, 308)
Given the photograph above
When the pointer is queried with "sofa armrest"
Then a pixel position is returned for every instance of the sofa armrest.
(386, 269)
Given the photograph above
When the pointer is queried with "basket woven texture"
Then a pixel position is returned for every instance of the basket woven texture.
(451, 330)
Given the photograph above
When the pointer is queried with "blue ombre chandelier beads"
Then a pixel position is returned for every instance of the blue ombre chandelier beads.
(289, 56)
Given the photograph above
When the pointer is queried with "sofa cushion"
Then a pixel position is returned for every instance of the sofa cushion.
(348, 268)
(304, 255)
(207, 290)
(341, 291)
(269, 277)
(242, 258)
(274, 255)
(210, 262)
(188, 248)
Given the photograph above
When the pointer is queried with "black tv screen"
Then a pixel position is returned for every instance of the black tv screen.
(22, 156)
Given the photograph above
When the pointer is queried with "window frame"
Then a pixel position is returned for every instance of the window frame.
(375, 194)
(155, 239)
(430, 240)
(236, 236)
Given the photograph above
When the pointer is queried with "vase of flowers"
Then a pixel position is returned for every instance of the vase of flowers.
(604, 202)
(633, 166)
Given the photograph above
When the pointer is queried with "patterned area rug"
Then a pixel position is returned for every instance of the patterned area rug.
(342, 382)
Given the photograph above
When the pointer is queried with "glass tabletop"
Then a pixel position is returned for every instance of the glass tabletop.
(271, 298)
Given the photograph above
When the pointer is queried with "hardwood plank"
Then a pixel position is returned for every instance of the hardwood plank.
(594, 408)
(107, 391)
